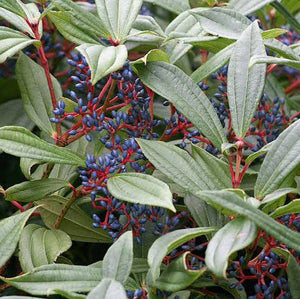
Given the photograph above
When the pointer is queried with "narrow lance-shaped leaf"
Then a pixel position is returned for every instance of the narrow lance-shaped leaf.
(20, 142)
(231, 201)
(142, 189)
(103, 60)
(247, 7)
(173, 84)
(245, 86)
(40, 246)
(15, 6)
(34, 190)
(176, 6)
(281, 160)
(292, 207)
(274, 60)
(10, 232)
(35, 92)
(12, 41)
(235, 235)
(118, 16)
(165, 244)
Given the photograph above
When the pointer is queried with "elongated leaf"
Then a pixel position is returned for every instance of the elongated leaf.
(70, 295)
(177, 165)
(40, 246)
(176, 6)
(259, 153)
(12, 41)
(103, 60)
(152, 55)
(108, 288)
(245, 86)
(20, 142)
(10, 232)
(235, 235)
(292, 207)
(165, 244)
(15, 6)
(68, 27)
(177, 276)
(35, 92)
(118, 16)
(141, 188)
(281, 49)
(85, 20)
(293, 270)
(231, 201)
(34, 190)
(278, 193)
(280, 161)
(274, 60)
(118, 259)
(247, 7)
(77, 224)
(187, 97)
(222, 22)
(45, 279)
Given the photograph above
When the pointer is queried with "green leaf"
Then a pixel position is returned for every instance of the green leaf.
(20, 142)
(151, 56)
(165, 244)
(35, 92)
(273, 60)
(141, 188)
(118, 259)
(272, 33)
(187, 97)
(247, 7)
(15, 6)
(177, 276)
(176, 6)
(77, 224)
(231, 201)
(222, 22)
(235, 235)
(292, 207)
(12, 41)
(281, 49)
(245, 86)
(271, 197)
(71, 28)
(293, 271)
(118, 16)
(40, 246)
(178, 165)
(108, 288)
(103, 60)
(259, 153)
(83, 19)
(281, 160)
(181, 295)
(69, 295)
(34, 190)
(45, 279)
(10, 232)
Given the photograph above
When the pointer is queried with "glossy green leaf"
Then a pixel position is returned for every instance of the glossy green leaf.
(103, 60)
(231, 201)
(20, 142)
(10, 232)
(118, 16)
(177, 165)
(142, 189)
(40, 246)
(177, 276)
(77, 224)
(12, 41)
(151, 56)
(235, 235)
(34, 190)
(187, 97)
(293, 271)
(245, 86)
(292, 207)
(35, 92)
(165, 244)
(82, 18)
(118, 259)
(45, 279)
(71, 29)
(222, 22)
(176, 6)
(108, 288)
(281, 160)
(247, 7)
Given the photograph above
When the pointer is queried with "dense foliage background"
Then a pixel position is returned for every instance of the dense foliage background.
(149, 149)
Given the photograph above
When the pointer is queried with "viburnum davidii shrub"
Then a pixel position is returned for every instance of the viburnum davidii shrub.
(159, 139)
